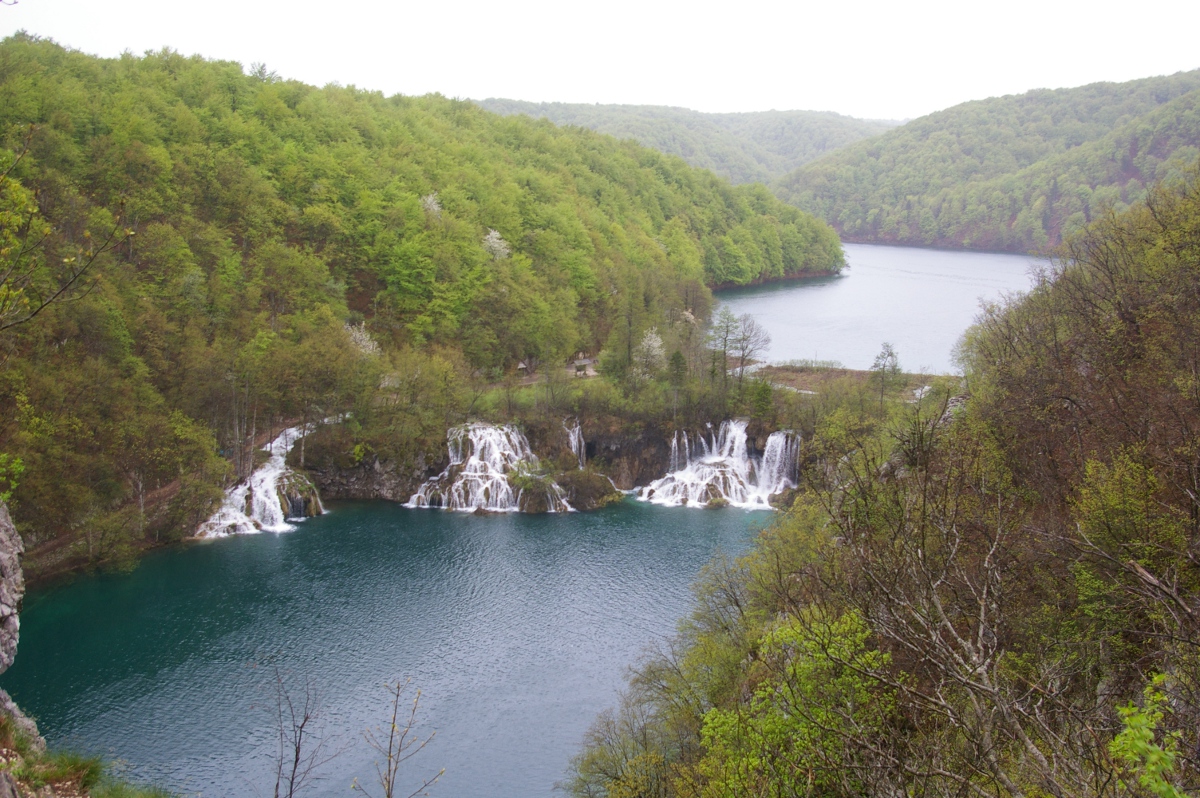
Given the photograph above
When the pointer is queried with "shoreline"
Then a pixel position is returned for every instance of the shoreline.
(934, 247)
(787, 278)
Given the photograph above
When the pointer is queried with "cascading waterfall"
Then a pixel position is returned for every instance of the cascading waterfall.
(721, 468)
(578, 447)
(485, 461)
(780, 466)
(264, 503)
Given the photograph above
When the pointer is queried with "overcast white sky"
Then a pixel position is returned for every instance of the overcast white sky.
(892, 59)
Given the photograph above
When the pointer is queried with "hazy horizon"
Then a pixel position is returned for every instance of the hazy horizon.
(875, 61)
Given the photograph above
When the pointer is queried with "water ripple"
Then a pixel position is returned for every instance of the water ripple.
(518, 629)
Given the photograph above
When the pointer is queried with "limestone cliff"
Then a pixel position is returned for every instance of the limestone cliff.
(12, 590)
(372, 478)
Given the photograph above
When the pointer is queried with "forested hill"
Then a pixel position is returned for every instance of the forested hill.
(994, 594)
(255, 243)
(1012, 173)
(745, 148)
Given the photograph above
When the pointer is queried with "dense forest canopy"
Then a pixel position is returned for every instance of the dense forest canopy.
(993, 590)
(260, 250)
(745, 148)
(1013, 173)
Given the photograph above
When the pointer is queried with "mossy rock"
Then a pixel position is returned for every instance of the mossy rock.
(534, 501)
(784, 499)
(298, 496)
(587, 489)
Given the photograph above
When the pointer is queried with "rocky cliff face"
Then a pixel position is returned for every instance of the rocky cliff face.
(375, 479)
(12, 590)
(630, 455)
(629, 458)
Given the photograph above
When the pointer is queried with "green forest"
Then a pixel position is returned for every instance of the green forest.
(1015, 173)
(744, 148)
(987, 586)
(993, 591)
(195, 255)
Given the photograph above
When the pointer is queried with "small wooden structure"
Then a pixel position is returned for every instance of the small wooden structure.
(582, 364)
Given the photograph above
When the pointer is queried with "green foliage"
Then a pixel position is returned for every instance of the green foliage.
(1136, 748)
(788, 739)
(1120, 511)
(1008, 565)
(885, 370)
(60, 766)
(11, 469)
(295, 253)
(760, 399)
(1016, 173)
(745, 148)
(677, 368)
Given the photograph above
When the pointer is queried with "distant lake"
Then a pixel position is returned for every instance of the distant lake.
(919, 300)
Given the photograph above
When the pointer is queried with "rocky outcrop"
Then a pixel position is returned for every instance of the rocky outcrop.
(587, 490)
(375, 479)
(12, 590)
(630, 457)
(298, 496)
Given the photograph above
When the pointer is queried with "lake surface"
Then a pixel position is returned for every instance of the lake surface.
(518, 629)
(919, 300)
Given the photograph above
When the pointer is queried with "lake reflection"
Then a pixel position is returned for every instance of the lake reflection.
(919, 300)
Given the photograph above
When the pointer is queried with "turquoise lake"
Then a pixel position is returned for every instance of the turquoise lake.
(518, 630)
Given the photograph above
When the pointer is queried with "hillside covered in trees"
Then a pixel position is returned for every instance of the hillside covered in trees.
(991, 593)
(231, 251)
(1015, 173)
(745, 148)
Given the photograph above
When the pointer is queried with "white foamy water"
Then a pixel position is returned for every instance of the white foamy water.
(720, 467)
(578, 447)
(259, 495)
(482, 457)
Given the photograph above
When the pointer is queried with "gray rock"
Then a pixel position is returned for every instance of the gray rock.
(8, 786)
(373, 479)
(12, 590)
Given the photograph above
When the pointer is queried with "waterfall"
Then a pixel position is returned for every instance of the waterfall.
(264, 503)
(720, 467)
(485, 462)
(780, 467)
(575, 436)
